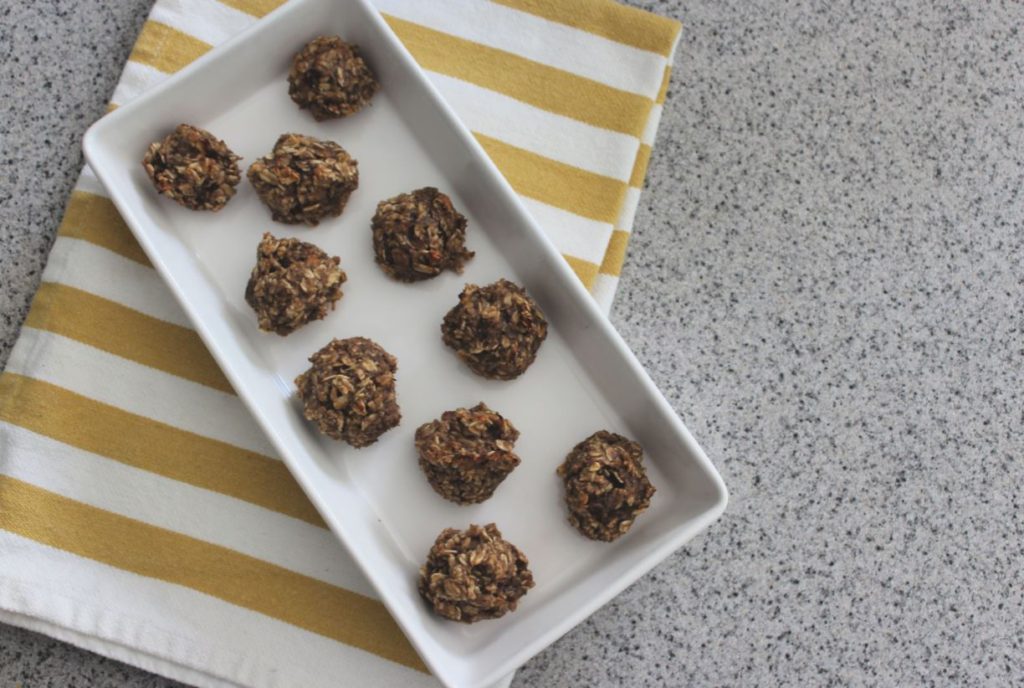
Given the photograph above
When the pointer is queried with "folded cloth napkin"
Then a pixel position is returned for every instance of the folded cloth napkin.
(143, 515)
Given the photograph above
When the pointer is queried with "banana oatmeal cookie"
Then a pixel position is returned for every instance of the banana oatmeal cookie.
(474, 574)
(349, 392)
(304, 179)
(606, 486)
(330, 79)
(194, 168)
(496, 329)
(417, 235)
(293, 283)
(466, 453)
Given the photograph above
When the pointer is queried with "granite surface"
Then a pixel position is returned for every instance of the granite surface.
(827, 279)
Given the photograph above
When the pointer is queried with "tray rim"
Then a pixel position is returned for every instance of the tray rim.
(94, 150)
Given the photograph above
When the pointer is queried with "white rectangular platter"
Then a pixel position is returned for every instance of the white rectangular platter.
(376, 499)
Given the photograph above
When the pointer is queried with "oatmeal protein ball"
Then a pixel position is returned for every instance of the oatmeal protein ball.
(292, 284)
(193, 167)
(474, 574)
(330, 79)
(305, 179)
(466, 453)
(606, 486)
(496, 329)
(349, 392)
(417, 235)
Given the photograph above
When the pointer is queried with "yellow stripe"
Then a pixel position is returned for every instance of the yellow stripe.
(152, 446)
(238, 579)
(166, 48)
(643, 158)
(555, 183)
(665, 79)
(94, 219)
(609, 19)
(584, 269)
(124, 332)
(532, 82)
(615, 254)
(111, 106)
(257, 8)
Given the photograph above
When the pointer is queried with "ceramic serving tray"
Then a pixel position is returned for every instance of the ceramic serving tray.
(376, 499)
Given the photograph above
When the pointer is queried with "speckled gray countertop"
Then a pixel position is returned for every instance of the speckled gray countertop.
(827, 280)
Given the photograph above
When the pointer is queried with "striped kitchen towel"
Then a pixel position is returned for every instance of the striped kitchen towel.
(143, 515)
